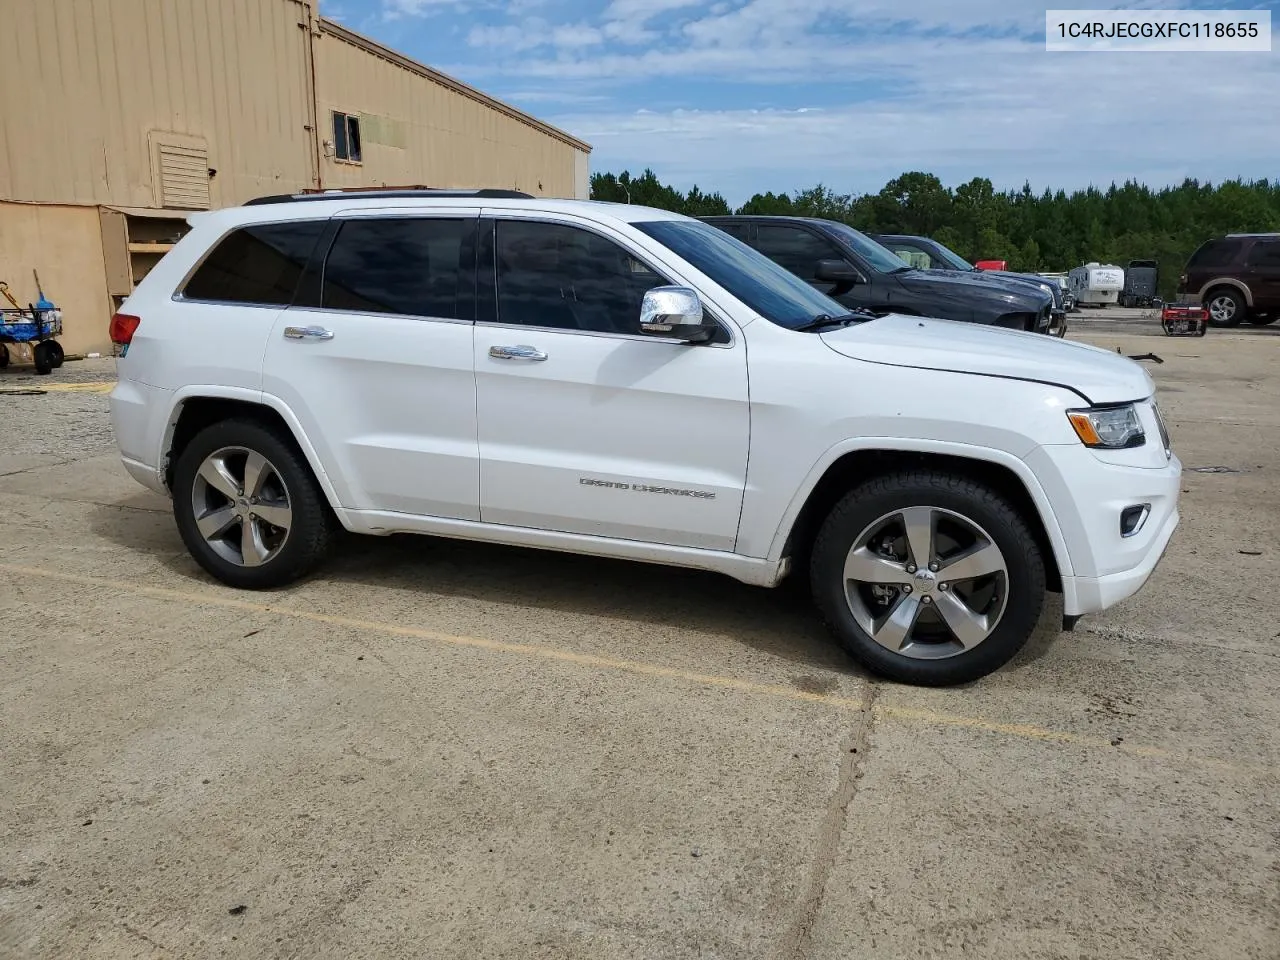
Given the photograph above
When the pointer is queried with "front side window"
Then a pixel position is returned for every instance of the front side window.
(402, 265)
(259, 264)
(563, 277)
(874, 254)
(795, 248)
(916, 257)
(766, 288)
(951, 258)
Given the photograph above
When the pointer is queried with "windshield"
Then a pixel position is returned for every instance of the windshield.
(773, 292)
(953, 258)
(878, 257)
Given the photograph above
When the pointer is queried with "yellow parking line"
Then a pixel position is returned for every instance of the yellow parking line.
(105, 386)
(928, 717)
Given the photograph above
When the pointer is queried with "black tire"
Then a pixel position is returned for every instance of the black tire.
(58, 355)
(47, 355)
(1238, 310)
(978, 504)
(1262, 319)
(4, 356)
(312, 527)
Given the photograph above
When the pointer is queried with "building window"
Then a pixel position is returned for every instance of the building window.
(346, 137)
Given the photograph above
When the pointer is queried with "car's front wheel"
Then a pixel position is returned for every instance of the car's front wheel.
(248, 507)
(928, 578)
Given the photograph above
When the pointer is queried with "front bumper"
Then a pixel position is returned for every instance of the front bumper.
(1095, 594)
(1090, 496)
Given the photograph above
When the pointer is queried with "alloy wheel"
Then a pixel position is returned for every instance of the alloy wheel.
(926, 582)
(1222, 309)
(241, 506)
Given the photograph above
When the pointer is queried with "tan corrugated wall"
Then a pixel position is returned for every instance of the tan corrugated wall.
(87, 85)
(65, 245)
(420, 131)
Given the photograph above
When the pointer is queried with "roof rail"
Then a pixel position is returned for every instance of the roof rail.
(1273, 234)
(390, 193)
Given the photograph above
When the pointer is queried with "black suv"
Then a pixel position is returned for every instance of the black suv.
(1237, 277)
(858, 272)
(938, 257)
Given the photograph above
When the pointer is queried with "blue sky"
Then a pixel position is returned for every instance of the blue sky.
(743, 96)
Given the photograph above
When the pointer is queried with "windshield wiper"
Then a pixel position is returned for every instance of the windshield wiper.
(844, 319)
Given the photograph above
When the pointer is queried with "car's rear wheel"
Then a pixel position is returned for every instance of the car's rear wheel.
(928, 578)
(248, 506)
(1226, 307)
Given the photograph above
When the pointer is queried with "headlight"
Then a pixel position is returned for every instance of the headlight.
(1108, 428)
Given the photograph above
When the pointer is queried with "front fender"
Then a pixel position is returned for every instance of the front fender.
(1001, 458)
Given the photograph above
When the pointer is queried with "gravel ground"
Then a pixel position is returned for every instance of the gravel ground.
(442, 749)
(57, 423)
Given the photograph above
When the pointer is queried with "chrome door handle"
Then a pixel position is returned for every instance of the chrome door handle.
(521, 352)
(307, 333)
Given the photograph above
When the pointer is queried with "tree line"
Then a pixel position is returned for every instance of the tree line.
(1049, 231)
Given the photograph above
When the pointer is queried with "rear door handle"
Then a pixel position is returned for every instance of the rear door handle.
(307, 333)
(520, 352)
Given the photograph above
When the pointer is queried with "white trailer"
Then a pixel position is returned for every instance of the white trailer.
(1096, 284)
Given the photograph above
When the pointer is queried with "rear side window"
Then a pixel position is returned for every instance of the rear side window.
(260, 264)
(398, 265)
(1215, 253)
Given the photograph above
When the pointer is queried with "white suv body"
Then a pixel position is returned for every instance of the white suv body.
(521, 401)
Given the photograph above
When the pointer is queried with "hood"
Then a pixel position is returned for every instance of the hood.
(1013, 292)
(1097, 375)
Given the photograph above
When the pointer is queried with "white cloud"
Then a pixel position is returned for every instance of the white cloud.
(398, 9)
(536, 33)
(1055, 120)
(962, 89)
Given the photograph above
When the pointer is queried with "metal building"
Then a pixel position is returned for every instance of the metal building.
(119, 118)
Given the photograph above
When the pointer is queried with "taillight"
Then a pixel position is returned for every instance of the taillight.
(123, 326)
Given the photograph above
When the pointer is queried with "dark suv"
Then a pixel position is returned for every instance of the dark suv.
(861, 274)
(938, 257)
(1237, 277)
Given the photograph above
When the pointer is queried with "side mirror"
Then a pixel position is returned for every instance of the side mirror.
(836, 271)
(676, 313)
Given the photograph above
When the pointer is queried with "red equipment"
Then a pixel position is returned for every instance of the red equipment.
(1184, 320)
(992, 264)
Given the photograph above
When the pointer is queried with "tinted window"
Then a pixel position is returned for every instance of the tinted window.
(951, 257)
(873, 253)
(776, 294)
(796, 249)
(914, 256)
(739, 230)
(398, 265)
(1215, 253)
(1265, 253)
(557, 276)
(258, 264)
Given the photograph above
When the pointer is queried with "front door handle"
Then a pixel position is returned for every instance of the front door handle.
(521, 352)
(307, 333)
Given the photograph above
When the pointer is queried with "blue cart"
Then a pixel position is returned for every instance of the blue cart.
(38, 324)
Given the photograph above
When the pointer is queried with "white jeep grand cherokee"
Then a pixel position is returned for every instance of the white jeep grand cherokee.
(627, 382)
